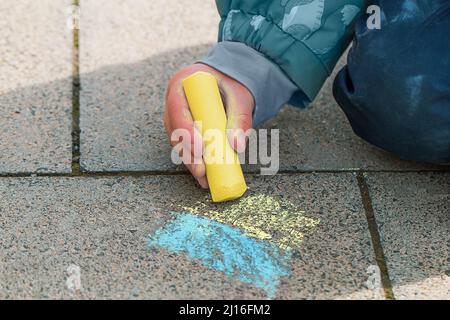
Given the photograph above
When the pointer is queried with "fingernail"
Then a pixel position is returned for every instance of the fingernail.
(203, 183)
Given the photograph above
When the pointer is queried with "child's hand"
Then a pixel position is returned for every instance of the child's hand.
(239, 106)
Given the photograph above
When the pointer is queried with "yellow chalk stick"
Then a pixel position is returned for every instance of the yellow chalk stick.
(223, 169)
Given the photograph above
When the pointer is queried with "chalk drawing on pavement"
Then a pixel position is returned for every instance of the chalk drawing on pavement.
(224, 248)
(251, 239)
(262, 217)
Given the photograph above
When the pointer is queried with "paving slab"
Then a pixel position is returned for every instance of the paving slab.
(291, 237)
(413, 211)
(127, 55)
(35, 87)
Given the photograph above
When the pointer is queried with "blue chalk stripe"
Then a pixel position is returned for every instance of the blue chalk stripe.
(221, 247)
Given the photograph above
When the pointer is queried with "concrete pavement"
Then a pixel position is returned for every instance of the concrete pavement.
(107, 215)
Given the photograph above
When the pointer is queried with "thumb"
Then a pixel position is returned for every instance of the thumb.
(239, 105)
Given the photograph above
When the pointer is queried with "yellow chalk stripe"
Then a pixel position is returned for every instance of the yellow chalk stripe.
(262, 217)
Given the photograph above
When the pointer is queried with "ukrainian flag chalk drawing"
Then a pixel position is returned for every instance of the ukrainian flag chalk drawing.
(226, 249)
(251, 239)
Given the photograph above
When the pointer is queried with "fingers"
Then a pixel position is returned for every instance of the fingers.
(239, 106)
(198, 170)
(182, 132)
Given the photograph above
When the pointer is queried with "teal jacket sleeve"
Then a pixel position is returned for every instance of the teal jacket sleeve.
(304, 38)
(270, 87)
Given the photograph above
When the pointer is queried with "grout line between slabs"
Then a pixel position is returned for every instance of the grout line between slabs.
(76, 171)
(375, 236)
